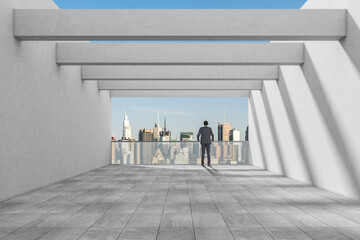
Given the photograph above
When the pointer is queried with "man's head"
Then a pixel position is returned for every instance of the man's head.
(206, 123)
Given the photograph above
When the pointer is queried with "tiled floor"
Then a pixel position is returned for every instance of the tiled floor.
(179, 202)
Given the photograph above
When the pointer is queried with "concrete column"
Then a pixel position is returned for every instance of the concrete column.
(270, 153)
(295, 163)
(256, 155)
(325, 162)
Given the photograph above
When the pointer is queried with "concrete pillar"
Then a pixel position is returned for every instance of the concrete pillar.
(295, 162)
(266, 139)
(325, 162)
(256, 155)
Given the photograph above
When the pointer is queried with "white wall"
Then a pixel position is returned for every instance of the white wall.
(290, 146)
(315, 121)
(52, 124)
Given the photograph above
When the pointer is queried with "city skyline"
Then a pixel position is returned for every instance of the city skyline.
(183, 114)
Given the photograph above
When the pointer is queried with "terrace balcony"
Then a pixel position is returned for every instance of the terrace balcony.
(298, 176)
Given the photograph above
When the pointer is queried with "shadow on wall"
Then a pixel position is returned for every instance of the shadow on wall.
(327, 114)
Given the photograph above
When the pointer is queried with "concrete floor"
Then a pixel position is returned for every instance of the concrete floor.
(179, 202)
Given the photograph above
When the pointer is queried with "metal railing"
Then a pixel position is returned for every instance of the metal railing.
(176, 152)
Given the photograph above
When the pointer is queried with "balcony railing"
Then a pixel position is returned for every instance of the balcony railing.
(175, 152)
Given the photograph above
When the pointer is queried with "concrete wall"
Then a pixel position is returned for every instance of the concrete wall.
(52, 124)
(313, 111)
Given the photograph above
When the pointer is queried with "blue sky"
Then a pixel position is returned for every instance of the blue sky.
(183, 114)
(180, 4)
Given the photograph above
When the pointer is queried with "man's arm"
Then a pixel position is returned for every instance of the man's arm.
(212, 135)
(198, 135)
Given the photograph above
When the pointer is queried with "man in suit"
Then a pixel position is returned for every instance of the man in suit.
(205, 133)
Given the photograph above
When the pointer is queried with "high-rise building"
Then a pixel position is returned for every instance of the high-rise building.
(186, 136)
(247, 134)
(224, 131)
(165, 134)
(157, 129)
(126, 129)
(234, 135)
(146, 135)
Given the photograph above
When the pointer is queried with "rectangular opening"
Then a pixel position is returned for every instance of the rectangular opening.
(164, 130)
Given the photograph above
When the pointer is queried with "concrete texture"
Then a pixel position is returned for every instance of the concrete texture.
(271, 155)
(179, 72)
(179, 93)
(294, 160)
(179, 202)
(174, 53)
(181, 84)
(180, 24)
(53, 126)
(320, 99)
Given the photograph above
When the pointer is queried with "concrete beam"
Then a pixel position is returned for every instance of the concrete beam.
(179, 93)
(179, 24)
(179, 53)
(179, 72)
(181, 85)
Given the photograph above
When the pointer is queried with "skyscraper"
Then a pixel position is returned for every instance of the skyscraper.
(146, 135)
(186, 136)
(126, 129)
(234, 135)
(157, 129)
(224, 131)
(165, 134)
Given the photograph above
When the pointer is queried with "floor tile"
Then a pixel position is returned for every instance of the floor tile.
(177, 208)
(150, 208)
(103, 234)
(325, 233)
(205, 233)
(176, 220)
(270, 220)
(113, 220)
(252, 233)
(142, 233)
(6, 231)
(354, 233)
(81, 220)
(208, 220)
(335, 220)
(145, 220)
(240, 220)
(27, 233)
(61, 233)
(288, 233)
(204, 208)
(178, 233)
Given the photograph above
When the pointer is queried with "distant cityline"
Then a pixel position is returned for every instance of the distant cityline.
(159, 134)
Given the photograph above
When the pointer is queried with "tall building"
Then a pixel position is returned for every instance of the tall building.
(234, 135)
(126, 129)
(224, 131)
(146, 135)
(247, 134)
(186, 136)
(157, 129)
(165, 134)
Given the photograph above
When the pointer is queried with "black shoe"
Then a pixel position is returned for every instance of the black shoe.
(203, 165)
(209, 165)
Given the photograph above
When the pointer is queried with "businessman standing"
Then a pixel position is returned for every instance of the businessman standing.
(205, 133)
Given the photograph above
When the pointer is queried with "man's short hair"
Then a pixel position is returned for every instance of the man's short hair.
(206, 123)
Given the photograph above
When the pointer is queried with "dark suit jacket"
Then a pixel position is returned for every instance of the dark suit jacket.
(205, 133)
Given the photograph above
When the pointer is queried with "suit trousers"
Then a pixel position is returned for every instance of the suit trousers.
(203, 147)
